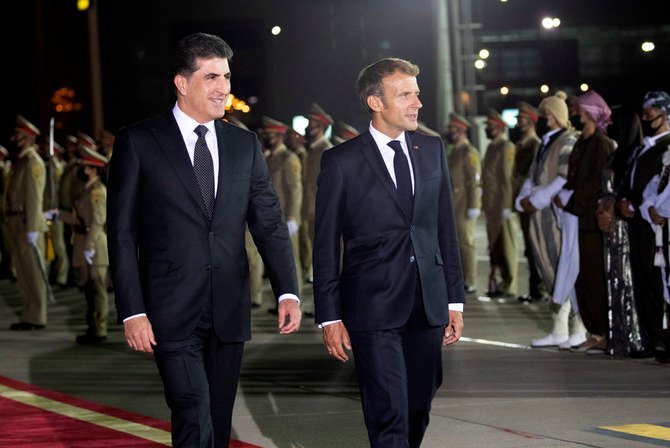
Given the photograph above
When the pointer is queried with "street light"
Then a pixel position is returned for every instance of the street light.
(480, 64)
(648, 46)
(504, 90)
(584, 87)
(275, 30)
(484, 53)
(544, 88)
(551, 22)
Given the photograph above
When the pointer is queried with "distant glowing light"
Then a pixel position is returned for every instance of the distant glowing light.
(275, 30)
(83, 5)
(551, 22)
(544, 88)
(480, 64)
(503, 1)
(504, 90)
(648, 46)
(584, 87)
(484, 53)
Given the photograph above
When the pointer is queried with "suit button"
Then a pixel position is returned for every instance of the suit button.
(412, 228)
(208, 267)
(212, 234)
(411, 259)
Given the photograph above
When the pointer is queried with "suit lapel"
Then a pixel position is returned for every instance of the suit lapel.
(417, 167)
(172, 144)
(223, 138)
(375, 159)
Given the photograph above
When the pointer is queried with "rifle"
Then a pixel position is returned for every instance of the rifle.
(51, 189)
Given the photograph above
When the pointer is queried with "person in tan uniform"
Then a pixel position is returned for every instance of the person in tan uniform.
(90, 256)
(497, 204)
(6, 265)
(527, 143)
(25, 221)
(295, 141)
(58, 263)
(317, 143)
(465, 171)
(70, 187)
(286, 174)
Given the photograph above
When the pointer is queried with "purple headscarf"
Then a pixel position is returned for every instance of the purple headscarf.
(595, 105)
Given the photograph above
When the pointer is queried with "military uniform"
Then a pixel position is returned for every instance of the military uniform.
(286, 174)
(6, 269)
(497, 204)
(90, 254)
(526, 148)
(57, 254)
(24, 213)
(465, 171)
(310, 173)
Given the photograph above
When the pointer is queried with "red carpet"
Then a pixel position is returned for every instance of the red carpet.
(32, 417)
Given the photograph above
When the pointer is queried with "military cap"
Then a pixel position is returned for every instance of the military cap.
(458, 121)
(320, 115)
(528, 111)
(272, 125)
(86, 141)
(25, 126)
(346, 131)
(58, 148)
(495, 116)
(71, 139)
(297, 135)
(426, 130)
(88, 156)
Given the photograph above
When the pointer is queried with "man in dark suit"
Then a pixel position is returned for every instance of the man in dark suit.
(399, 293)
(182, 187)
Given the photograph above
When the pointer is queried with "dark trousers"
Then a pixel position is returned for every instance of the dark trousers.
(590, 286)
(647, 282)
(200, 376)
(399, 371)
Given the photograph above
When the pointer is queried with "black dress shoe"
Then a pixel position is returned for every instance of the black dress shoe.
(662, 357)
(90, 339)
(21, 326)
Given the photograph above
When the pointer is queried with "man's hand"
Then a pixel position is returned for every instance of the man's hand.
(655, 217)
(452, 332)
(527, 206)
(139, 334)
(336, 339)
(289, 316)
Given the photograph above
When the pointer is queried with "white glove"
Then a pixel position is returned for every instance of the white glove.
(88, 255)
(50, 215)
(292, 225)
(506, 213)
(474, 213)
(32, 238)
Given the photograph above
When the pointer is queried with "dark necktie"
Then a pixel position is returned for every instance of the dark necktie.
(402, 176)
(204, 169)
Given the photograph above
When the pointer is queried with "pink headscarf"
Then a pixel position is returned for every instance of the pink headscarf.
(595, 105)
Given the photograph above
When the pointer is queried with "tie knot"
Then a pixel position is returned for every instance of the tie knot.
(201, 130)
(395, 145)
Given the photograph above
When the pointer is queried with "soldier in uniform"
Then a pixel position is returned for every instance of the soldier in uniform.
(56, 251)
(295, 141)
(317, 143)
(286, 174)
(6, 270)
(497, 203)
(464, 167)
(25, 221)
(90, 257)
(526, 148)
(70, 187)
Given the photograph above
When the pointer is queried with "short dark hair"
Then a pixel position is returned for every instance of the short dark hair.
(198, 45)
(369, 81)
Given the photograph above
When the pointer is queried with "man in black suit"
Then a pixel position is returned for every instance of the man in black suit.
(182, 187)
(398, 295)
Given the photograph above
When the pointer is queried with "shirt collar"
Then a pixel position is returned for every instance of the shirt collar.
(651, 141)
(187, 124)
(382, 139)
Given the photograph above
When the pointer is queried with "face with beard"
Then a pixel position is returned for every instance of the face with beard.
(651, 121)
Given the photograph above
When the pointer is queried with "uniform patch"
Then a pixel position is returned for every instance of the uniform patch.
(98, 196)
(37, 170)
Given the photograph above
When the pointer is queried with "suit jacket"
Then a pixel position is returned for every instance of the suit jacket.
(384, 247)
(647, 166)
(167, 259)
